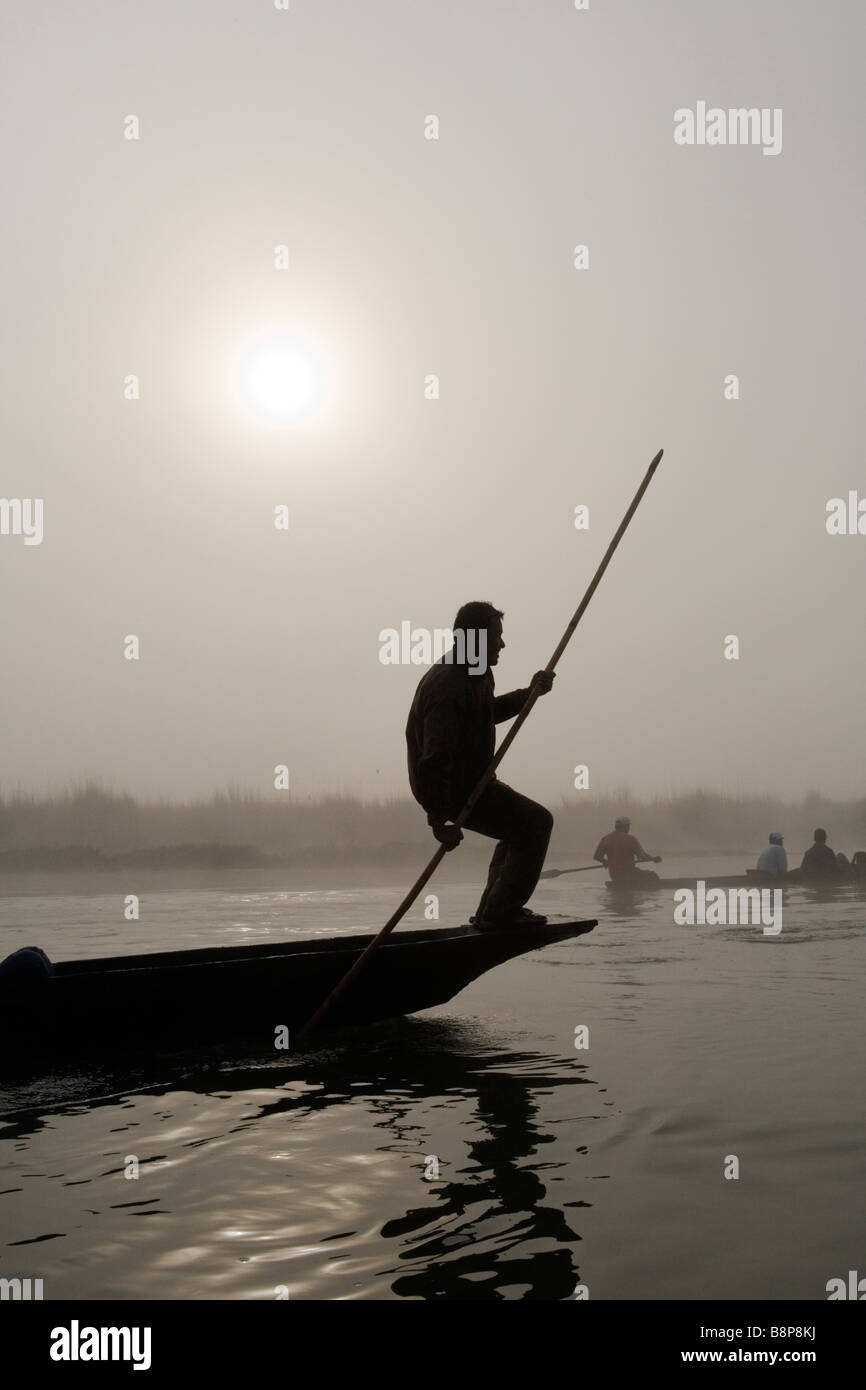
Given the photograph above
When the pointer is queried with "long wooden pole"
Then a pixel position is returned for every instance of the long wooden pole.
(534, 692)
(557, 873)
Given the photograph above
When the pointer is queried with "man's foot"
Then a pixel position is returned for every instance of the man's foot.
(524, 918)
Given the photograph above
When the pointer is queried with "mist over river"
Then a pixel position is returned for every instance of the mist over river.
(557, 1166)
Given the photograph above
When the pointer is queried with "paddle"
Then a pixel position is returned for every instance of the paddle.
(557, 873)
(406, 903)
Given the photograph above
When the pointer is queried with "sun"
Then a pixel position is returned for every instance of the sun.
(281, 378)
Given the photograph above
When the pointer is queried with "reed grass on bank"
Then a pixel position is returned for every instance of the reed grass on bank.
(91, 826)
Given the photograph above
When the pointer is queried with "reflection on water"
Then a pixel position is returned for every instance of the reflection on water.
(496, 1225)
(320, 1182)
(555, 1167)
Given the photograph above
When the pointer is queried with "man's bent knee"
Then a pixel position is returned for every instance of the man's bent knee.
(542, 819)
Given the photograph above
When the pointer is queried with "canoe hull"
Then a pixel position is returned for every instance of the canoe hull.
(141, 1002)
(751, 879)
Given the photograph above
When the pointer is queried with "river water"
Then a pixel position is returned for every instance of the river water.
(472, 1152)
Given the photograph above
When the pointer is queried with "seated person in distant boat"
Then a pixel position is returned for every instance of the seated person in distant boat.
(451, 739)
(620, 851)
(773, 859)
(819, 861)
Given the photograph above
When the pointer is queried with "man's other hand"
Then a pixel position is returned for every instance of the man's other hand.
(544, 680)
(447, 835)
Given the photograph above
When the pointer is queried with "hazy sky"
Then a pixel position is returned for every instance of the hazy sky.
(408, 257)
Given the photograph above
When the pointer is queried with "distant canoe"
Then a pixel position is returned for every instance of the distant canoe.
(144, 1002)
(752, 878)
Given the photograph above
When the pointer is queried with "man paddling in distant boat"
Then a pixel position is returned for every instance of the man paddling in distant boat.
(620, 852)
(451, 739)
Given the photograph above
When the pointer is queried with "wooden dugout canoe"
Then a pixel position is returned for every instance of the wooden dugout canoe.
(138, 1003)
(750, 879)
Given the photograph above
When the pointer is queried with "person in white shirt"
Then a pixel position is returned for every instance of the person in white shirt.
(773, 859)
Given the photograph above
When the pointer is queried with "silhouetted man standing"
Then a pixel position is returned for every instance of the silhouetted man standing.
(451, 739)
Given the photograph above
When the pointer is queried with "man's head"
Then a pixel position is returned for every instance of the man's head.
(622, 823)
(478, 617)
(775, 837)
(820, 837)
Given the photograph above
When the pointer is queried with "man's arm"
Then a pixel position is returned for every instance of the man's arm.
(641, 855)
(507, 706)
(442, 721)
(441, 732)
(600, 851)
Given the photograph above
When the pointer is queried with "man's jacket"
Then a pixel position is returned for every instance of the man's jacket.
(451, 735)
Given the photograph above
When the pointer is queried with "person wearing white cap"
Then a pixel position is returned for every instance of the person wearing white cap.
(773, 859)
